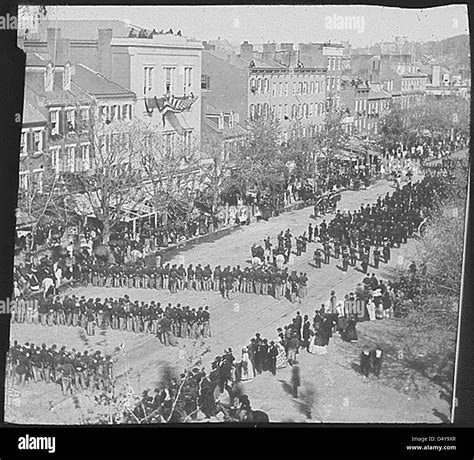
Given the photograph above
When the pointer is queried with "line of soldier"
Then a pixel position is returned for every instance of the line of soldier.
(252, 280)
(374, 230)
(72, 369)
(118, 314)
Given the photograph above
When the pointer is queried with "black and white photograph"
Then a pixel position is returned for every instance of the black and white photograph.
(239, 214)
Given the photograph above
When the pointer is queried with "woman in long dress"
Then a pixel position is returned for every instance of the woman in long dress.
(281, 361)
(317, 345)
(371, 309)
(246, 368)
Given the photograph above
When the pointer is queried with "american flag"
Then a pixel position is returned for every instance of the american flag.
(169, 104)
(179, 104)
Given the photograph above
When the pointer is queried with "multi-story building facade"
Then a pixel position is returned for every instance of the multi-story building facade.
(69, 97)
(412, 84)
(149, 63)
(331, 56)
(252, 87)
(33, 145)
(354, 101)
(378, 104)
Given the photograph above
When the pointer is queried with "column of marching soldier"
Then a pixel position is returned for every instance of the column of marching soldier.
(393, 218)
(167, 322)
(70, 368)
(369, 232)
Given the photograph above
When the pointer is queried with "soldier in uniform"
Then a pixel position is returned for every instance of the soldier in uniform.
(337, 248)
(364, 260)
(206, 277)
(206, 326)
(345, 258)
(386, 250)
(376, 256)
(318, 257)
(327, 252)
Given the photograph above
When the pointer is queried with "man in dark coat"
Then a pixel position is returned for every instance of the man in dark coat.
(272, 357)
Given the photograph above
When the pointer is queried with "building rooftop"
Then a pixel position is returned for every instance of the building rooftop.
(374, 94)
(36, 60)
(95, 84)
(31, 113)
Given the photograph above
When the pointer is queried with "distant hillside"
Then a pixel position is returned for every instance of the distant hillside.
(452, 53)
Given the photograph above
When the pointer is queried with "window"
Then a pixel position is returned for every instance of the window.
(266, 86)
(274, 86)
(329, 63)
(23, 180)
(148, 80)
(55, 158)
(169, 79)
(54, 119)
(84, 116)
(205, 82)
(70, 158)
(252, 111)
(311, 109)
(114, 115)
(23, 144)
(339, 63)
(286, 111)
(328, 82)
(85, 157)
(294, 87)
(281, 89)
(104, 112)
(188, 80)
(293, 111)
(37, 141)
(70, 120)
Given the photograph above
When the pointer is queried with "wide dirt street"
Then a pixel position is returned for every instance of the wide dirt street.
(340, 393)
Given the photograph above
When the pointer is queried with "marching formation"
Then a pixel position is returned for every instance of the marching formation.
(166, 322)
(73, 370)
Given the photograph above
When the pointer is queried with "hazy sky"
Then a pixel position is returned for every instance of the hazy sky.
(259, 24)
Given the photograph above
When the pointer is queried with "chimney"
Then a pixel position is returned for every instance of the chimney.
(293, 58)
(52, 37)
(62, 50)
(246, 51)
(286, 46)
(269, 47)
(105, 52)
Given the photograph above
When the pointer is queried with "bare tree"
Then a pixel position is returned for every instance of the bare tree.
(169, 167)
(217, 164)
(112, 182)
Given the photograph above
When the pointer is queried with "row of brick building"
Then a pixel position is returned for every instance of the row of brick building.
(119, 67)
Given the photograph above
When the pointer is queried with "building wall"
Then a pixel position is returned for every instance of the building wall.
(33, 160)
(228, 85)
(149, 53)
(304, 99)
(356, 100)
